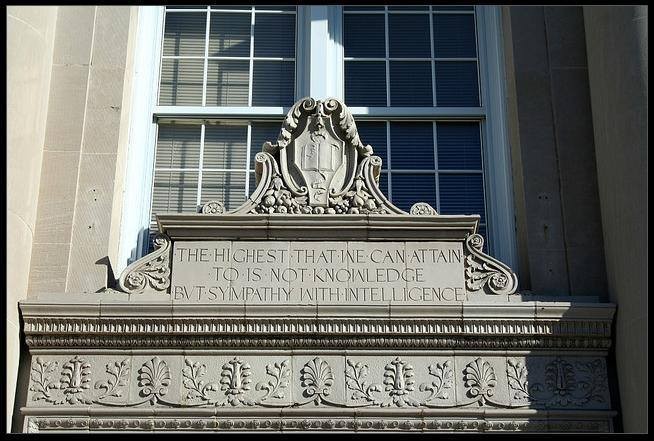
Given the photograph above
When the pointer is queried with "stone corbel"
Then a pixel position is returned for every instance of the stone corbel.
(150, 273)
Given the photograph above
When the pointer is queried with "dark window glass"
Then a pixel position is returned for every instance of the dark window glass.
(365, 83)
(274, 35)
(410, 83)
(458, 146)
(409, 36)
(454, 36)
(462, 194)
(411, 188)
(364, 36)
(457, 84)
(412, 146)
(273, 83)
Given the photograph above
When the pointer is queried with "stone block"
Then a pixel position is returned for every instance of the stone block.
(566, 40)
(111, 34)
(549, 272)
(74, 35)
(66, 108)
(40, 18)
(92, 222)
(529, 39)
(102, 130)
(49, 267)
(57, 197)
(106, 88)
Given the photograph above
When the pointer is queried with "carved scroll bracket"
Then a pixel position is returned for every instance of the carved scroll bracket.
(150, 273)
(486, 273)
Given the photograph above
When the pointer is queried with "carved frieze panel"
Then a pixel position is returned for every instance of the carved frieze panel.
(327, 380)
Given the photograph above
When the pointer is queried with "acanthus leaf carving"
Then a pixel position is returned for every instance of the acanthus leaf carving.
(355, 374)
(197, 387)
(151, 272)
(516, 373)
(275, 388)
(118, 377)
(483, 272)
(444, 380)
(41, 377)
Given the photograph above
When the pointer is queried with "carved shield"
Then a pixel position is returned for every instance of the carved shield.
(319, 158)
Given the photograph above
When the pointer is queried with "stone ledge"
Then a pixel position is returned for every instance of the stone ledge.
(315, 227)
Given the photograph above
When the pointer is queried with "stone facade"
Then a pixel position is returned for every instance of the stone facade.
(536, 360)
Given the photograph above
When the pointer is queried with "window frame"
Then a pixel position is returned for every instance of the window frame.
(319, 73)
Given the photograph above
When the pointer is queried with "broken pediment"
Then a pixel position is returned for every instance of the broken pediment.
(318, 190)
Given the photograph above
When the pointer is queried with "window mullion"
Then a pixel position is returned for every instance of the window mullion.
(206, 57)
(251, 67)
(386, 61)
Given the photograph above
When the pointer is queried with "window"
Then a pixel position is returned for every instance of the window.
(219, 57)
(423, 82)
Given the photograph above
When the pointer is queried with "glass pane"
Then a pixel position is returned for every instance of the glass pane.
(225, 146)
(459, 146)
(383, 183)
(462, 194)
(233, 8)
(174, 192)
(364, 35)
(409, 36)
(454, 36)
(365, 83)
(273, 83)
(275, 8)
(411, 83)
(457, 84)
(226, 187)
(453, 8)
(274, 35)
(181, 82)
(185, 33)
(363, 8)
(408, 8)
(374, 133)
(184, 7)
(412, 146)
(262, 132)
(229, 35)
(178, 146)
(227, 83)
(411, 188)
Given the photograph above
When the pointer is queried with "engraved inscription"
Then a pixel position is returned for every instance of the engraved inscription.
(240, 272)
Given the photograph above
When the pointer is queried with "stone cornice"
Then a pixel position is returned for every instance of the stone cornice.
(524, 325)
(316, 227)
